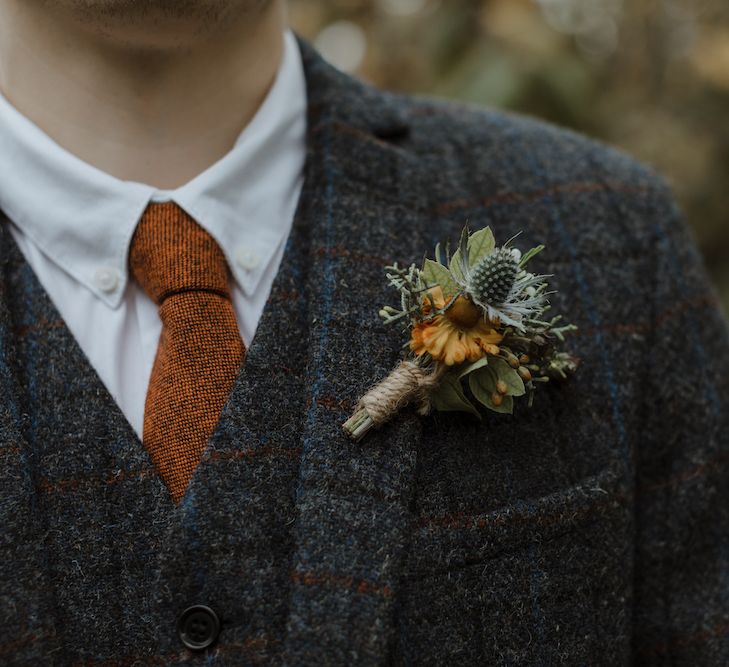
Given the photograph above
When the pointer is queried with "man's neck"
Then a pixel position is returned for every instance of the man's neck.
(156, 116)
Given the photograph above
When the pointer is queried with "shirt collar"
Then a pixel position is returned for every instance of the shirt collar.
(83, 218)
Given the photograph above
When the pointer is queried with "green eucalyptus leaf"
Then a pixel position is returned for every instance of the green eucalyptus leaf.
(509, 375)
(528, 255)
(480, 244)
(460, 257)
(450, 397)
(455, 265)
(482, 384)
(473, 366)
(434, 273)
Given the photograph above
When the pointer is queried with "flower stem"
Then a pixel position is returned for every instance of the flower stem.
(358, 425)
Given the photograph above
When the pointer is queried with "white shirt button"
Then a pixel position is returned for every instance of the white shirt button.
(106, 279)
(247, 259)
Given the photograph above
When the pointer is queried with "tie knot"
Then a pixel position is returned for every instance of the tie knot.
(170, 253)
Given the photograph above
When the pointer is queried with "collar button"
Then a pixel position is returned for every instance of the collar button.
(106, 279)
(247, 259)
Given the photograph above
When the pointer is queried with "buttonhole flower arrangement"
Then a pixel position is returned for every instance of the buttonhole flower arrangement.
(477, 330)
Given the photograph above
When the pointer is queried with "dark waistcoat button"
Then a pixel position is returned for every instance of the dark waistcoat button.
(198, 627)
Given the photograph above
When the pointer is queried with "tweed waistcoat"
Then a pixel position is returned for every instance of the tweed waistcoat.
(592, 529)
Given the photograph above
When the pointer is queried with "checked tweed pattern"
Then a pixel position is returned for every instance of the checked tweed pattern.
(184, 271)
(592, 530)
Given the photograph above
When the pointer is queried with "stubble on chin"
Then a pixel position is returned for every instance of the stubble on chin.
(136, 11)
(152, 23)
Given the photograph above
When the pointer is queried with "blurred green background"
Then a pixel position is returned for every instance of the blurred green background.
(650, 76)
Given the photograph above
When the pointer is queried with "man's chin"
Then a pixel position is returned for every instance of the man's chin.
(157, 25)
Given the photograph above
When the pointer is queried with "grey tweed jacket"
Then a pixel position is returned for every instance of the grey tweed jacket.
(592, 529)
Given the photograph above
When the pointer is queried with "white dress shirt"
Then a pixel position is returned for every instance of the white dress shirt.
(73, 223)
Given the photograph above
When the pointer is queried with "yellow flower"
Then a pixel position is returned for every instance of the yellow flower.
(460, 334)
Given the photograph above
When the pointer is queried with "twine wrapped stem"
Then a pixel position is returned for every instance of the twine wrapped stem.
(408, 383)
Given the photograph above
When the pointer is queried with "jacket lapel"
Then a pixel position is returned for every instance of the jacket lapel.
(352, 500)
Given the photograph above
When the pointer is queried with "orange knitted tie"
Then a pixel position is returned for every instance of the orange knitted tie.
(200, 352)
